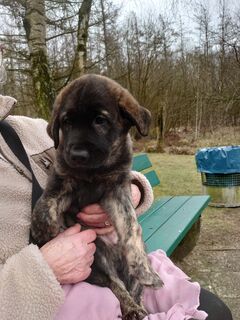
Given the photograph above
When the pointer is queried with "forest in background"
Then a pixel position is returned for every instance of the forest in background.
(186, 87)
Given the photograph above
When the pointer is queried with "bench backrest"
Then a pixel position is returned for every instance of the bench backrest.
(142, 162)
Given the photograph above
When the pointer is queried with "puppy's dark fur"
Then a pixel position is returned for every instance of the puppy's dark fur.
(89, 126)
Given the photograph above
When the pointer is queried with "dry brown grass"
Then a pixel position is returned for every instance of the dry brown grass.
(183, 142)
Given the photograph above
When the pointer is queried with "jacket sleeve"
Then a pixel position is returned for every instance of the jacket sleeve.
(28, 287)
(146, 191)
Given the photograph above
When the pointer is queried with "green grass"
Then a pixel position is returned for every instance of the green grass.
(178, 174)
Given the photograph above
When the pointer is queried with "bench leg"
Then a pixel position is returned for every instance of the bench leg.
(188, 242)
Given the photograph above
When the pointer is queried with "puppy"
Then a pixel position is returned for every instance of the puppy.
(89, 125)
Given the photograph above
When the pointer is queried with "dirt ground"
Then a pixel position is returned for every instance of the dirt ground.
(215, 260)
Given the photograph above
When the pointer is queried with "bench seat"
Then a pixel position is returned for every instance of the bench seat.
(170, 218)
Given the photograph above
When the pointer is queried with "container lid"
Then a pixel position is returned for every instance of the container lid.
(223, 160)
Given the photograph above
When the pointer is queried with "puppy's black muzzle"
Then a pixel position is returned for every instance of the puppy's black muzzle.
(78, 155)
(85, 154)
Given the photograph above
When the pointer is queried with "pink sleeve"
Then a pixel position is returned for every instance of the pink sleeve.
(178, 299)
(146, 192)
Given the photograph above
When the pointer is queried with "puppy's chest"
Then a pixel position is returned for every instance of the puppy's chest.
(76, 196)
(88, 193)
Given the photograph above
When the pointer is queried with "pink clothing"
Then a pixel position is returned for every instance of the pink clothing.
(178, 299)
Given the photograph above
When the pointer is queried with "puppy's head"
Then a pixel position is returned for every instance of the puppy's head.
(91, 118)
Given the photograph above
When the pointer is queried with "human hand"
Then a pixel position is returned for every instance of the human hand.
(95, 217)
(71, 254)
(136, 195)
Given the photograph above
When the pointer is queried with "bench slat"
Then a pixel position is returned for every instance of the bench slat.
(159, 216)
(152, 178)
(155, 206)
(170, 234)
(141, 162)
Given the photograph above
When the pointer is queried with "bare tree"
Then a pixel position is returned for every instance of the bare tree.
(184, 84)
(34, 23)
(82, 34)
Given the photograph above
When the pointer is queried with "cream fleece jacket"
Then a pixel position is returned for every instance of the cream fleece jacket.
(28, 287)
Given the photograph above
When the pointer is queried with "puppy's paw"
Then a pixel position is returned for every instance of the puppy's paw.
(151, 280)
(137, 314)
(147, 276)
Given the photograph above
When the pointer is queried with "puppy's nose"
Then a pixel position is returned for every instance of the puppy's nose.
(79, 155)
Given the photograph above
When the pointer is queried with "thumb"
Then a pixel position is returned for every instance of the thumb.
(88, 236)
(70, 231)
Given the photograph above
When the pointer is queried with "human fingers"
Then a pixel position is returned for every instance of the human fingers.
(89, 258)
(66, 255)
(91, 248)
(77, 275)
(79, 245)
(87, 236)
(94, 208)
(103, 231)
(70, 231)
(93, 220)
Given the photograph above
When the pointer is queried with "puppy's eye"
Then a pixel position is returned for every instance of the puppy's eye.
(66, 121)
(100, 120)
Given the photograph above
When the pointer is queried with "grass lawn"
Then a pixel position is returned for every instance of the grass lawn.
(178, 174)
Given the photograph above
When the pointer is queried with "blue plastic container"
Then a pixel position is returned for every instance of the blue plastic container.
(223, 160)
(220, 171)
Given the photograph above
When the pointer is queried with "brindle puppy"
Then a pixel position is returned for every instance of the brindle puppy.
(89, 126)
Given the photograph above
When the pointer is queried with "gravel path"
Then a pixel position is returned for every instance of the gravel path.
(215, 260)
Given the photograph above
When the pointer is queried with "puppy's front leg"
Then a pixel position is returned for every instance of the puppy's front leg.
(119, 207)
(45, 220)
(47, 216)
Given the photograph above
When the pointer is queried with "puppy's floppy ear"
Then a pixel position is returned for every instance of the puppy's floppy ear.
(54, 123)
(136, 114)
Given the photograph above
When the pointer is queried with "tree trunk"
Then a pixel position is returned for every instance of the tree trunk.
(35, 27)
(82, 35)
(222, 44)
(160, 130)
(105, 34)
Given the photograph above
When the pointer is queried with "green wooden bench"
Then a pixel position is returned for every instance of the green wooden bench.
(170, 218)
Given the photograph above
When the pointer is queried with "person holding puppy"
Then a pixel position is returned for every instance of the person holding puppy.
(49, 283)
